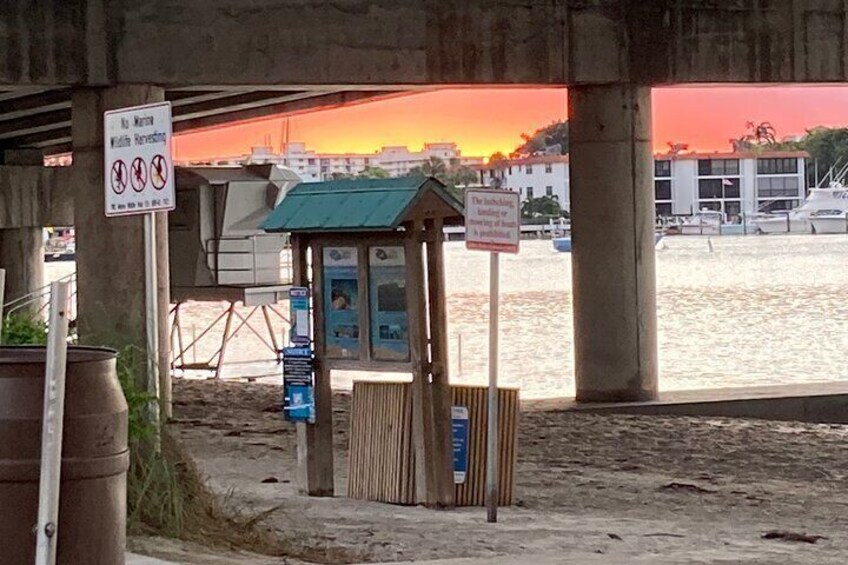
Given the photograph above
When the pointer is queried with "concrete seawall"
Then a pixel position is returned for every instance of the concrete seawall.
(815, 402)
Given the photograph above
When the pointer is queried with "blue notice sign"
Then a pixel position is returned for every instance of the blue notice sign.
(459, 426)
(298, 391)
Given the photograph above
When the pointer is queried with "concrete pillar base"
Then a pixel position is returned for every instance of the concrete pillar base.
(110, 251)
(613, 257)
(22, 255)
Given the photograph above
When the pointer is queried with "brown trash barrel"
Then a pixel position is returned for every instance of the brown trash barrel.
(95, 458)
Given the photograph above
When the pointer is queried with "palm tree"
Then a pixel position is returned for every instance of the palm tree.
(435, 167)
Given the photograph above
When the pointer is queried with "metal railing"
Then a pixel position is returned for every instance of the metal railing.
(39, 300)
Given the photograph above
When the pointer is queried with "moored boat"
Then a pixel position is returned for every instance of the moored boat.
(831, 199)
(830, 221)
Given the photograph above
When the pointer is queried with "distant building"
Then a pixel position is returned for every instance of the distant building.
(532, 177)
(683, 183)
(314, 167)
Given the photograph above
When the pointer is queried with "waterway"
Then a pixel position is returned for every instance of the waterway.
(747, 310)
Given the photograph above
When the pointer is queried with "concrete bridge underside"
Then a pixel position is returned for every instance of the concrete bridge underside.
(63, 63)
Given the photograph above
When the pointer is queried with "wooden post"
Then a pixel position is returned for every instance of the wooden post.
(423, 434)
(362, 277)
(315, 441)
(441, 393)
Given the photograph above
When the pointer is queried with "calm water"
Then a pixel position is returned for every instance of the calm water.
(756, 310)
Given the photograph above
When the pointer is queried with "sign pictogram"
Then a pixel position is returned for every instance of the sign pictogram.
(137, 153)
(158, 172)
(118, 177)
(138, 176)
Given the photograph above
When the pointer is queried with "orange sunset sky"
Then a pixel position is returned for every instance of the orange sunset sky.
(484, 120)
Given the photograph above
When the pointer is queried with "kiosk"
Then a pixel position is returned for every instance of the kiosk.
(378, 298)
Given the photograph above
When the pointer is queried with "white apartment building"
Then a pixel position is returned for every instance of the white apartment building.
(314, 167)
(532, 177)
(729, 182)
(684, 183)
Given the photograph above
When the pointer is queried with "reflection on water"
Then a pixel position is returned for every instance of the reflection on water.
(756, 310)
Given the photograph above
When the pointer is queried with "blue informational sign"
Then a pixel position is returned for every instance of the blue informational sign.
(299, 308)
(459, 427)
(341, 302)
(387, 297)
(298, 389)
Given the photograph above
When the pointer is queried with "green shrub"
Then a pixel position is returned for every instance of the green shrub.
(20, 329)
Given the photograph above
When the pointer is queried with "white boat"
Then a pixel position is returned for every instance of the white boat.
(705, 222)
(711, 222)
(830, 221)
(832, 199)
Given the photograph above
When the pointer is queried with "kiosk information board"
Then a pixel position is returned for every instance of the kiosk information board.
(341, 302)
(389, 321)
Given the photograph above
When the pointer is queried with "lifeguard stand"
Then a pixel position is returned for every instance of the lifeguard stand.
(371, 242)
(218, 253)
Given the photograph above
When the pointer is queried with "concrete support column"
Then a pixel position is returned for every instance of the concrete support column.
(22, 249)
(613, 256)
(22, 255)
(110, 251)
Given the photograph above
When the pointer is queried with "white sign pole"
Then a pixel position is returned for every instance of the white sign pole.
(492, 223)
(151, 312)
(51, 426)
(492, 489)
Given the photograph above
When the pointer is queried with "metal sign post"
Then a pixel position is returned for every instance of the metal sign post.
(151, 319)
(139, 175)
(51, 428)
(492, 224)
(492, 427)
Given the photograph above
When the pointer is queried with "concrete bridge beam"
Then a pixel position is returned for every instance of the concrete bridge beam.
(613, 257)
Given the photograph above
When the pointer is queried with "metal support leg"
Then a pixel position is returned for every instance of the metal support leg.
(230, 314)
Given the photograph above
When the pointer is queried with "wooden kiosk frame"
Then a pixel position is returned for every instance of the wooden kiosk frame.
(363, 215)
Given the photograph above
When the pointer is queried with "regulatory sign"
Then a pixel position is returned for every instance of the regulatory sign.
(492, 220)
(459, 426)
(137, 144)
(298, 391)
(299, 303)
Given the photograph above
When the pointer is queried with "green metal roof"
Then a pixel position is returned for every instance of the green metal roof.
(353, 204)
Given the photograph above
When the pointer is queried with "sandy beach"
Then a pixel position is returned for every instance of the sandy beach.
(674, 490)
